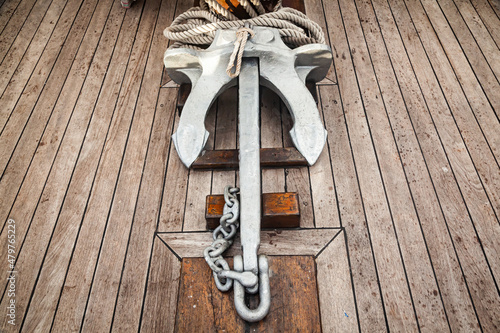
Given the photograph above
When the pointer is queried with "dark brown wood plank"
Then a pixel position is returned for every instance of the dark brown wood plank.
(269, 158)
(294, 303)
(279, 210)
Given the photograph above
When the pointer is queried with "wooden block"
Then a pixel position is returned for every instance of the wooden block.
(279, 210)
(294, 299)
(269, 158)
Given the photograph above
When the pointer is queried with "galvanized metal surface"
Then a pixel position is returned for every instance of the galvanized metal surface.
(281, 69)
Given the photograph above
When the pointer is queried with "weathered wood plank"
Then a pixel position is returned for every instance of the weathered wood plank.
(294, 302)
(25, 10)
(72, 171)
(56, 188)
(7, 9)
(19, 98)
(462, 126)
(480, 33)
(174, 192)
(486, 11)
(297, 179)
(273, 242)
(108, 273)
(451, 284)
(393, 282)
(480, 86)
(271, 137)
(323, 192)
(130, 297)
(33, 36)
(335, 290)
(45, 129)
(352, 217)
(457, 214)
(410, 241)
(162, 289)
(226, 133)
(69, 315)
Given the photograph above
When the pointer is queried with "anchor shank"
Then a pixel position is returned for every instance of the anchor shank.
(249, 154)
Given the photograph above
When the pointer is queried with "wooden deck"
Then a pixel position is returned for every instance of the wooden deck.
(407, 189)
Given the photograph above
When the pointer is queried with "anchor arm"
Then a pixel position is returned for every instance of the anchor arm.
(308, 133)
(208, 82)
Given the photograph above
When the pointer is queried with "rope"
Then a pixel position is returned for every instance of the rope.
(239, 47)
(196, 27)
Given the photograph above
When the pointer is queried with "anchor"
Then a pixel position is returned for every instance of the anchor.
(267, 61)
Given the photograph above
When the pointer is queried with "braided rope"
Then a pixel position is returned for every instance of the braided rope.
(239, 47)
(196, 27)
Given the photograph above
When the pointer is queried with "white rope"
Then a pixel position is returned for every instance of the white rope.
(239, 47)
(197, 26)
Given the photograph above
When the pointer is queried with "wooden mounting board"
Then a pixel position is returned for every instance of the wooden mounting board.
(303, 265)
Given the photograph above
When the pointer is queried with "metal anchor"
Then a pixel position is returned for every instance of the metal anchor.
(281, 69)
(267, 61)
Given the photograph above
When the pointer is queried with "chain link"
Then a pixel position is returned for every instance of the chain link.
(223, 238)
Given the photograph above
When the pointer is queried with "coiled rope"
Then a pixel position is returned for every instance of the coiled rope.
(196, 27)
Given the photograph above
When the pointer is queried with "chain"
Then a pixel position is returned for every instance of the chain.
(223, 238)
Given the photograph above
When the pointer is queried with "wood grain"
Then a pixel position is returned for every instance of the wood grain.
(69, 314)
(410, 241)
(269, 157)
(294, 303)
(444, 262)
(335, 290)
(162, 290)
(273, 242)
(78, 177)
(279, 210)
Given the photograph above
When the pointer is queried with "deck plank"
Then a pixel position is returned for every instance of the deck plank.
(297, 179)
(104, 209)
(25, 10)
(18, 151)
(335, 291)
(489, 12)
(392, 276)
(161, 291)
(352, 215)
(110, 176)
(271, 136)
(451, 284)
(226, 136)
(51, 71)
(422, 284)
(473, 262)
(29, 43)
(7, 9)
(68, 164)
